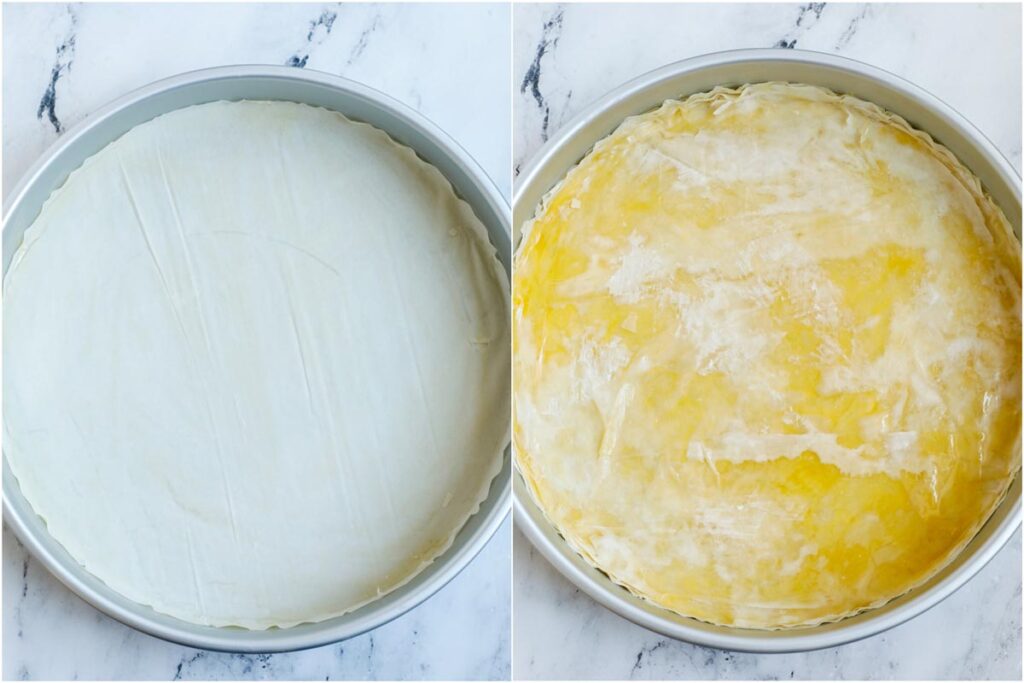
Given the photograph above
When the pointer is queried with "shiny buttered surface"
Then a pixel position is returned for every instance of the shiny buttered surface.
(767, 356)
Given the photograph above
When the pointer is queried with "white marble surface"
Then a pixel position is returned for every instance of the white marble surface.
(451, 62)
(565, 57)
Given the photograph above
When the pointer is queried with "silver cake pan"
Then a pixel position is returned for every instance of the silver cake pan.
(924, 111)
(357, 102)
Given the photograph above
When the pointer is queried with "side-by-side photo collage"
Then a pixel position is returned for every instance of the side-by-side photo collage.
(493, 341)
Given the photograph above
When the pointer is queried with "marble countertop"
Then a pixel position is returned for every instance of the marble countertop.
(62, 62)
(566, 56)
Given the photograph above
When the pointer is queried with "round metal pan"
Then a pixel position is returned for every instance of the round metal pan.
(357, 102)
(700, 74)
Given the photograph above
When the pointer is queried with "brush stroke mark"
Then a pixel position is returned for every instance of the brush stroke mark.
(62, 64)
(319, 29)
(550, 33)
(808, 17)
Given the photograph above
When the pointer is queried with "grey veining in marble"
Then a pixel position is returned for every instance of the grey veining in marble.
(451, 62)
(62, 62)
(565, 57)
(459, 634)
(561, 633)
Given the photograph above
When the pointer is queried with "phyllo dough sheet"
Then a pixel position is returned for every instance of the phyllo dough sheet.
(767, 356)
(256, 364)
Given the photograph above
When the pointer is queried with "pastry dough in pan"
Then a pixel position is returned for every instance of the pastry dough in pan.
(767, 356)
(256, 364)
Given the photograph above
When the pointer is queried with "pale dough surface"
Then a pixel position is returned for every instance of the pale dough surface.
(256, 364)
(767, 356)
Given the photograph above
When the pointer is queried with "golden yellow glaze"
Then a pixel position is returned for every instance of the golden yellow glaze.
(767, 356)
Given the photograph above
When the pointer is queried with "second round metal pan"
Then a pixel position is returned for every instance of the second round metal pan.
(922, 110)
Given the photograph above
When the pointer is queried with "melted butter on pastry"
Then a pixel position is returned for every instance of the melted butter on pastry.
(767, 356)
